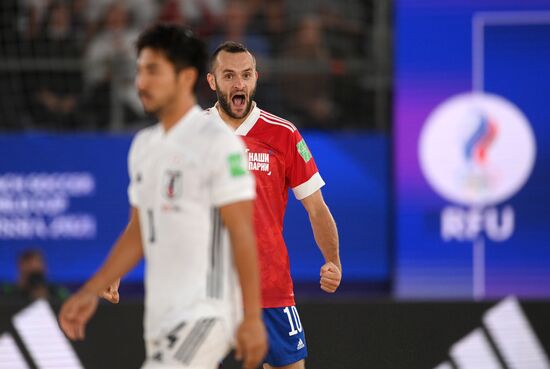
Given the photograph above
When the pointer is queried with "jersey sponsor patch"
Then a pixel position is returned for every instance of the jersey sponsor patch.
(303, 150)
(258, 161)
(236, 167)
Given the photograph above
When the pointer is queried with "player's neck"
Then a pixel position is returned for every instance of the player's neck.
(173, 115)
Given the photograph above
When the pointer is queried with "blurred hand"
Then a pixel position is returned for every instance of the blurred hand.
(76, 312)
(331, 276)
(111, 293)
(251, 342)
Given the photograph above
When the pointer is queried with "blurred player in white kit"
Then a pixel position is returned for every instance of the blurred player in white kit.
(190, 194)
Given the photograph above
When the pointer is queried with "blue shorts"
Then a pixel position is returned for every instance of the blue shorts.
(287, 341)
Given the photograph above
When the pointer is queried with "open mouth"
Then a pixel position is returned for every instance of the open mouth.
(238, 100)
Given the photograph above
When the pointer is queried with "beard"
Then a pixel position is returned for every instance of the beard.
(226, 106)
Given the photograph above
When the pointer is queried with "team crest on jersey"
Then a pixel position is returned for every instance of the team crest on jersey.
(172, 184)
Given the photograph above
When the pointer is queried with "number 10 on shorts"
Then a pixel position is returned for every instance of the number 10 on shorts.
(293, 320)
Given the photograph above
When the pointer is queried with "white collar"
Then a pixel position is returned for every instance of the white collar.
(248, 123)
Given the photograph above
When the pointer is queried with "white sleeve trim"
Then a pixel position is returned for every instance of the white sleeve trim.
(310, 186)
(230, 197)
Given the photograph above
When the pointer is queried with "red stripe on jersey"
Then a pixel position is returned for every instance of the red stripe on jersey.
(279, 123)
(276, 118)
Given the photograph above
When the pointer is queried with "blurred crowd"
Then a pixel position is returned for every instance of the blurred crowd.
(69, 64)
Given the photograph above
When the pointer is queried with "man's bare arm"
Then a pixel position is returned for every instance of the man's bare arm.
(125, 254)
(326, 237)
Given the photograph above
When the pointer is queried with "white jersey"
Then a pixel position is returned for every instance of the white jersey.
(178, 180)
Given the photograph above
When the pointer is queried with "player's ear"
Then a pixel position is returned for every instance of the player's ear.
(211, 81)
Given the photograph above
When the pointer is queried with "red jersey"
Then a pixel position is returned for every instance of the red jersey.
(280, 159)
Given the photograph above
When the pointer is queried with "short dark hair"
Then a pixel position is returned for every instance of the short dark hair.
(179, 44)
(232, 47)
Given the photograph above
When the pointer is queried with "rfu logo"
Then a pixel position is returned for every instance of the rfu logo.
(477, 150)
(172, 184)
(478, 175)
(479, 142)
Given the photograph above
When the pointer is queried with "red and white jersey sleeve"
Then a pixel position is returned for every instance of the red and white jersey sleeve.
(301, 170)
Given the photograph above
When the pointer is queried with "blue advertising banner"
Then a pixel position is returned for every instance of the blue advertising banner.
(66, 195)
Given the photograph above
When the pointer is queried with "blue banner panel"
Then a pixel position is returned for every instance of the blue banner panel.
(66, 195)
(472, 144)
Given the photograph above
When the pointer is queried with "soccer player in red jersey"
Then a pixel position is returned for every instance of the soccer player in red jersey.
(280, 159)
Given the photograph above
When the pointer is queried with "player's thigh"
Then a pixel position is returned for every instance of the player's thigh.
(199, 344)
(287, 341)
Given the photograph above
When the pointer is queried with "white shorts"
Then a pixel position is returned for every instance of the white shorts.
(196, 344)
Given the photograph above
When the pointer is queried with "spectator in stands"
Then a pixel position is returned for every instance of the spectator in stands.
(345, 26)
(202, 16)
(236, 28)
(170, 12)
(275, 25)
(109, 68)
(143, 12)
(307, 81)
(56, 92)
(267, 17)
(80, 22)
(12, 110)
(197, 12)
(32, 283)
(344, 21)
(33, 18)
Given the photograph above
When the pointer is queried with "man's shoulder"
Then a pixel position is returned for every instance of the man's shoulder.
(143, 136)
(212, 128)
(146, 133)
(275, 124)
(274, 131)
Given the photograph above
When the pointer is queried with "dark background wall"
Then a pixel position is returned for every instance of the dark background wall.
(345, 335)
